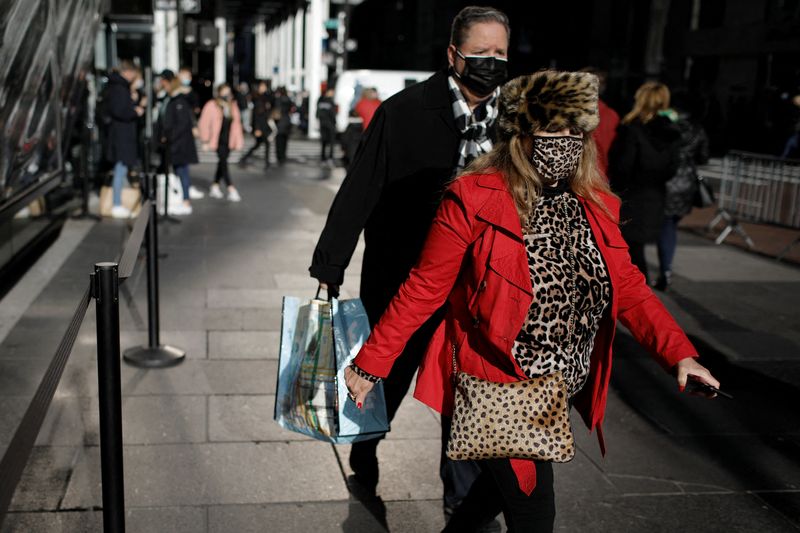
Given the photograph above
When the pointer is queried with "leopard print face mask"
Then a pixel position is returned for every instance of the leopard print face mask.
(556, 158)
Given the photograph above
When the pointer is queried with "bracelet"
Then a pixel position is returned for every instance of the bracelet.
(364, 374)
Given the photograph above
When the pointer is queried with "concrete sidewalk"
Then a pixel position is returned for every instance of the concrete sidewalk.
(202, 453)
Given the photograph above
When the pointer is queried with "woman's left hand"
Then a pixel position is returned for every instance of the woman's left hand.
(357, 386)
(690, 367)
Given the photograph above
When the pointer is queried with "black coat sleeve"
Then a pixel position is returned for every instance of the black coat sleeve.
(622, 157)
(357, 197)
(121, 106)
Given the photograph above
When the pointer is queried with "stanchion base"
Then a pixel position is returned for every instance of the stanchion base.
(158, 357)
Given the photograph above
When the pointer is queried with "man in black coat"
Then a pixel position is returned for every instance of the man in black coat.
(262, 108)
(415, 144)
(122, 114)
(326, 113)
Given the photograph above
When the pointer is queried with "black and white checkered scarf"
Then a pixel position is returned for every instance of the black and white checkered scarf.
(474, 126)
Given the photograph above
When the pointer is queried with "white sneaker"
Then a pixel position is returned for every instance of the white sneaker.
(215, 191)
(180, 210)
(120, 211)
(233, 195)
(195, 193)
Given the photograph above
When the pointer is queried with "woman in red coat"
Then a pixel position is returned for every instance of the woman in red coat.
(527, 253)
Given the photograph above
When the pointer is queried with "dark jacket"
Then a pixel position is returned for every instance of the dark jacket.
(393, 187)
(262, 107)
(642, 159)
(177, 125)
(284, 103)
(121, 143)
(681, 188)
(326, 112)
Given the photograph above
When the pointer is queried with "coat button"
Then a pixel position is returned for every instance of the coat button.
(483, 286)
(476, 321)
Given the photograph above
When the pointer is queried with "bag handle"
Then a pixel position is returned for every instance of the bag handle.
(327, 291)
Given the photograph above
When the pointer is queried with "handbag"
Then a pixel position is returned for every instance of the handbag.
(704, 194)
(520, 420)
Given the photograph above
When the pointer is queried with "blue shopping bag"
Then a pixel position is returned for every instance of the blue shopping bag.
(318, 340)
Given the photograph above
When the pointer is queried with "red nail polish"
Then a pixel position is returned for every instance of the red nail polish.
(681, 388)
(358, 405)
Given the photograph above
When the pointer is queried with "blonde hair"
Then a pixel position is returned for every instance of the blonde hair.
(511, 157)
(650, 98)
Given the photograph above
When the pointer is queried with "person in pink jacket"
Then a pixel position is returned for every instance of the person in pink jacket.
(220, 129)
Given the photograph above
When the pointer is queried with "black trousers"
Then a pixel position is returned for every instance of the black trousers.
(457, 476)
(223, 173)
(259, 141)
(497, 489)
(281, 144)
(327, 139)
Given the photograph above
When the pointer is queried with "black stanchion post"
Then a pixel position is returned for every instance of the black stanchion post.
(155, 354)
(105, 290)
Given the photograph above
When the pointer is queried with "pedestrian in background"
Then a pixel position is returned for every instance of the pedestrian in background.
(326, 113)
(185, 77)
(262, 110)
(284, 122)
(121, 145)
(682, 187)
(367, 105)
(416, 142)
(644, 156)
(606, 131)
(177, 136)
(243, 100)
(351, 137)
(220, 129)
(525, 247)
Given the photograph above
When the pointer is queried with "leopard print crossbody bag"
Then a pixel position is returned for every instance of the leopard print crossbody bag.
(520, 420)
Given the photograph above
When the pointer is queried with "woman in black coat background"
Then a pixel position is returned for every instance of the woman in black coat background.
(681, 188)
(644, 156)
(176, 127)
(121, 114)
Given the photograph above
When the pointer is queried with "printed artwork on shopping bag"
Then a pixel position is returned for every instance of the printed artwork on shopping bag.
(318, 340)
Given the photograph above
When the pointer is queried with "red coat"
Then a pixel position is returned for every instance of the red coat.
(475, 259)
(604, 134)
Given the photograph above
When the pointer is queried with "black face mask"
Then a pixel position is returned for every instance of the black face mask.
(482, 74)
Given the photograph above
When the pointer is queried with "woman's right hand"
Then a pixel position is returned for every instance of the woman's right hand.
(357, 387)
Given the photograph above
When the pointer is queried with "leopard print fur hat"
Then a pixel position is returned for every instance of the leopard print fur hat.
(548, 100)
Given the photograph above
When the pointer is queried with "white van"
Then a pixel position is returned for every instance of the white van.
(387, 82)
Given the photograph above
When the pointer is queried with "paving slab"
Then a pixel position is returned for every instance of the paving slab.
(45, 477)
(409, 469)
(220, 473)
(244, 344)
(142, 520)
(330, 517)
(153, 419)
(696, 513)
(245, 298)
(238, 418)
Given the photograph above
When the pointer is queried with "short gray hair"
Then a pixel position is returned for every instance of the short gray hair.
(471, 15)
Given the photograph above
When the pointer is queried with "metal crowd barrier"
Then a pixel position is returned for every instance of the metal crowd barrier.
(755, 188)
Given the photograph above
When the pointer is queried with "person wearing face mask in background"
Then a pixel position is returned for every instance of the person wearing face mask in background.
(121, 144)
(526, 250)
(416, 142)
(185, 75)
(220, 128)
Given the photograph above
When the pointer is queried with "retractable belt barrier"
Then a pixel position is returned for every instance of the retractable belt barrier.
(104, 289)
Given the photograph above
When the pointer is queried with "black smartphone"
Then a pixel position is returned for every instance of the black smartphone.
(698, 386)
